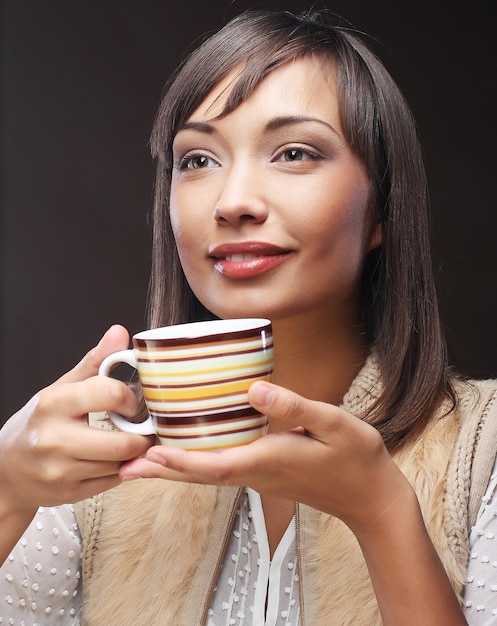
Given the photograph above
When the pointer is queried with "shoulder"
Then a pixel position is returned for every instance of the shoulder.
(477, 395)
(473, 405)
(476, 409)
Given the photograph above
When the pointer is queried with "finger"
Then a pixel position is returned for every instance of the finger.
(191, 465)
(90, 457)
(98, 393)
(100, 447)
(141, 467)
(56, 438)
(92, 486)
(234, 466)
(79, 491)
(290, 410)
(176, 464)
(116, 338)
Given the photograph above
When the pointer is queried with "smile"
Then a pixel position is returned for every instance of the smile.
(248, 259)
(241, 257)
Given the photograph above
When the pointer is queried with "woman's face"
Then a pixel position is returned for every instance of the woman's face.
(269, 206)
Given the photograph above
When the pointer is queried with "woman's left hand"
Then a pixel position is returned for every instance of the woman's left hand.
(326, 458)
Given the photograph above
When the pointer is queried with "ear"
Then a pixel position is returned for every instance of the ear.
(376, 237)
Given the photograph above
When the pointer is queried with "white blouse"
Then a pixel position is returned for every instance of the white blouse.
(248, 580)
(40, 582)
(480, 594)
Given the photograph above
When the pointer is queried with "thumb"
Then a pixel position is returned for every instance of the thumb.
(282, 405)
(116, 338)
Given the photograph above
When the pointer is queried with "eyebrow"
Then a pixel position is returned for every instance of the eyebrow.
(274, 124)
(202, 127)
(292, 120)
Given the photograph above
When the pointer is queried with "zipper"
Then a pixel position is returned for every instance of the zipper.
(298, 533)
(217, 568)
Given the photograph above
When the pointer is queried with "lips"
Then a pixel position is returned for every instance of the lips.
(248, 259)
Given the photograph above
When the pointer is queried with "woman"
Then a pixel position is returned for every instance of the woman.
(290, 186)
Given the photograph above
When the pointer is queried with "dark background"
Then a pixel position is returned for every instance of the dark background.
(81, 82)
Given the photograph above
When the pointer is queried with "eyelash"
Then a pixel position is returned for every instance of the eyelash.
(314, 156)
(184, 162)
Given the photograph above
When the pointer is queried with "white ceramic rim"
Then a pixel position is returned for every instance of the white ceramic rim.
(193, 330)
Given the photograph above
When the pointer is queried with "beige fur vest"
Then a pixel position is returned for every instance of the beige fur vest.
(153, 548)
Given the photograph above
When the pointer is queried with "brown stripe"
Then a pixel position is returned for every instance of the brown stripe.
(218, 409)
(204, 340)
(197, 420)
(217, 434)
(209, 355)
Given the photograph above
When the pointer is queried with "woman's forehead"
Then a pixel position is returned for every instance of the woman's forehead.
(299, 80)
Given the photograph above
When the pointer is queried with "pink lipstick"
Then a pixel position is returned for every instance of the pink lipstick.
(243, 260)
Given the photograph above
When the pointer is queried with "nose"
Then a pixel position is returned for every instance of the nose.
(241, 199)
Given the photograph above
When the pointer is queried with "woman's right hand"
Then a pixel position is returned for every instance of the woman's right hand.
(48, 453)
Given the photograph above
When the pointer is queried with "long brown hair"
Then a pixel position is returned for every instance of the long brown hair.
(399, 304)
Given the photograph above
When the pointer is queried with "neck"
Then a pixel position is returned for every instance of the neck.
(318, 361)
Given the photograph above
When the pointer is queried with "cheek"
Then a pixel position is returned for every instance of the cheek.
(181, 222)
(189, 208)
(181, 237)
(189, 243)
(178, 229)
(341, 219)
(185, 244)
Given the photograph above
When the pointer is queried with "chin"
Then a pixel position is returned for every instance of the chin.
(234, 311)
(252, 303)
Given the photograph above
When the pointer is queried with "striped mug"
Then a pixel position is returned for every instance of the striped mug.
(195, 379)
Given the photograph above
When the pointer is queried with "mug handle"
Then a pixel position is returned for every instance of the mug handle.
(142, 428)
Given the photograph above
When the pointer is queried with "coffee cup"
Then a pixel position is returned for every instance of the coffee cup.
(195, 378)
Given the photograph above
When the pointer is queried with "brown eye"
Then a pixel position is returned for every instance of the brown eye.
(293, 155)
(198, 162)
(297, 154)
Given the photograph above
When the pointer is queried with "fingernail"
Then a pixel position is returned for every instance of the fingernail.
(155, 458)
(261, 394)
(129, 477)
